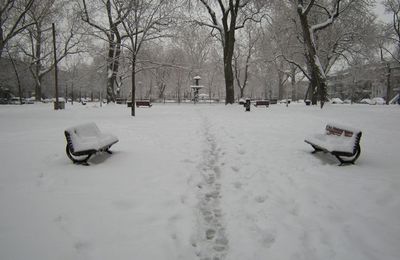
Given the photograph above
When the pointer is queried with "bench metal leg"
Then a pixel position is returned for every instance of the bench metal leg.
(75, 159)
(316, 149)
(349, 160)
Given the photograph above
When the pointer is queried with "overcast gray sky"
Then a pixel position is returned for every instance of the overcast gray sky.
(379, 10)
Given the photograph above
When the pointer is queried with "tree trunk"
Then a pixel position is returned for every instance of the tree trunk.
(241, 92)
(55, 66)
(318, 79)
(133, 72)
(389, 87)
(1, 47)
(161, 89)
(280, 84)
(110, 71)
(116, 53)
(293, 81)
(228, 71)
(17, 76)
(38, 64)
(1, 39)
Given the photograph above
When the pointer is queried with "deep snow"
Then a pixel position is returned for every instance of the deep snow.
(199, 181)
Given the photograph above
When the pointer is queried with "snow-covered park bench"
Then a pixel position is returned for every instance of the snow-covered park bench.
(341, 141)
(140, 103)
(85, 140)
(261, 103)
(143, 103)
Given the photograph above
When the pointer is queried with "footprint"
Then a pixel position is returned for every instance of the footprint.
(188, 161)
(82, 246)
(39, 180)
(237, 185)
(217, 170)
(210, 234)
(219, 248)
(268, 238)
(217, 213)
(60, 219)
(235, 169)
(183, 199)
(260, 199)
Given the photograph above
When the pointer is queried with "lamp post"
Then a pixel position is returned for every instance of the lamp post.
(56, 104)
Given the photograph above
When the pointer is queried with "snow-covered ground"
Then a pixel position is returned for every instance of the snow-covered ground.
(199, 182)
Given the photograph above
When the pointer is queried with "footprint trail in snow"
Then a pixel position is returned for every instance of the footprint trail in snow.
(211, 241)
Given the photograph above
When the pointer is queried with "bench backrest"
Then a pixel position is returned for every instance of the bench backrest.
(76, 134)
(333, 130)
(143, 102)
(85, 130)
(343, 131)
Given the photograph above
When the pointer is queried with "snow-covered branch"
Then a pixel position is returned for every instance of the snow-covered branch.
(332, 15)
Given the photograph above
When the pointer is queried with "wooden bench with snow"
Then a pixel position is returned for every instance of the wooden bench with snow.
(261, 103)
(341, 141)
(143, 103)
(85, 140)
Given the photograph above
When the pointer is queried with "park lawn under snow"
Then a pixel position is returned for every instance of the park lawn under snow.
(202, 181)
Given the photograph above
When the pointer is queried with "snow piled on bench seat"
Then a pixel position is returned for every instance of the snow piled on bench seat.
(333, 142)
(87, 136)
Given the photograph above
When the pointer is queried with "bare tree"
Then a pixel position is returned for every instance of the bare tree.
(145, 20)
(232, 15)
(315, 17)
(12, 19)
(172, 72)
(38, 41)
(196, 42)
(15, 68)
(105, 19)
(331, 31)
(180, 73)
(318, 77)
(392, 32)
(353, 36)
(251, 36)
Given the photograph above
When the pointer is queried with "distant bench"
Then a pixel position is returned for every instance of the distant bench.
(120, 100)
(143, 103)
(273, 101)
(140, 103)
(261, 103)
(342, 142)
(85, 140)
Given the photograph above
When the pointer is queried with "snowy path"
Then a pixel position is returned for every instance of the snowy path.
(211, 241)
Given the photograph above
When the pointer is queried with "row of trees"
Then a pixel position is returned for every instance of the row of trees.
(239, 43)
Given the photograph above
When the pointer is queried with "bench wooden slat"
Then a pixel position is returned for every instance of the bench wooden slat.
(337, 131)
(261, 103)
(143, 103)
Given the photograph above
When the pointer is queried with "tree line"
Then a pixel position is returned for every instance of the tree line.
(155, 46)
